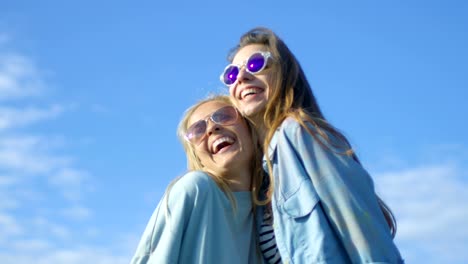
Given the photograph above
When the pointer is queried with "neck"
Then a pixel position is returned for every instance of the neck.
(238, 179)
(241, 181)
(259, 125)
(261, 131)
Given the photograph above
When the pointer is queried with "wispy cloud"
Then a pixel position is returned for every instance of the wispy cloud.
(19, 77)
(45, 227)
(430, 205)
(77, 213)
(31, 245)
(71, 182)
(28, 154)
(14, 117)
(42, 190)
(6, 180)
(9, 226)
(61, 256)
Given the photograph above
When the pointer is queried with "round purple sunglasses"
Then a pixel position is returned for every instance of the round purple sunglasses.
(254, 64)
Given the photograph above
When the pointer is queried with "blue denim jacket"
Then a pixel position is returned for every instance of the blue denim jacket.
(324, 205)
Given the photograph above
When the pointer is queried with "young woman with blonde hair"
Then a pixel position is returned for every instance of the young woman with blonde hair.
(206, 216)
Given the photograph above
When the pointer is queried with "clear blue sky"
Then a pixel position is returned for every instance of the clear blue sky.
(91, 93)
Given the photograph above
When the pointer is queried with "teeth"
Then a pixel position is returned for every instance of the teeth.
(249, 91)
(219, 141)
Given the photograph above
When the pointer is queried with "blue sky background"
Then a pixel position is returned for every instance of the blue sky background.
(91, 93)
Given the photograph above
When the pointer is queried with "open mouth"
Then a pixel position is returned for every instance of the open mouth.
(221, 144)
(250, 91)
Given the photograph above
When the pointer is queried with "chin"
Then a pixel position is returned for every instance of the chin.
(231, 161)
(252, 110)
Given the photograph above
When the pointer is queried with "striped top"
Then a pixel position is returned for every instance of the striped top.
(267, 240)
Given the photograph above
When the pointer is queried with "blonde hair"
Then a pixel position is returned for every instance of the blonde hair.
(292, 96)
(194, 163)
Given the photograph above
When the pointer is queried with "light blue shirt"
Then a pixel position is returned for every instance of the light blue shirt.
(324, 205)
(196, 223)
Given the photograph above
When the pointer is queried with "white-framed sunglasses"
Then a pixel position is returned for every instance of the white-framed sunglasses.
(254, 64)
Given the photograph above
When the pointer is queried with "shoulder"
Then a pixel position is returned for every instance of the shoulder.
(289, 124)
(198, 179)
(291, 129)
(285, 133)
(194, 184)
(294, 130)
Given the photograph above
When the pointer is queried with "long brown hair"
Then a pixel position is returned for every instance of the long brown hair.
(291, 96)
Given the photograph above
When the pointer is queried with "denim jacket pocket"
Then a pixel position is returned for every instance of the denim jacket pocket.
(302, 202)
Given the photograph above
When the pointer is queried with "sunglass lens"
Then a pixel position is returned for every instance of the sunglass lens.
(225, 115)
(196, 131)
(230, 74)
(255, 63)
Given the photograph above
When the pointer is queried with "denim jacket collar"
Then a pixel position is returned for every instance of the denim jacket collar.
(271, 148)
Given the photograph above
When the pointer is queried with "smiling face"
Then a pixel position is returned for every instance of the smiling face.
(225, 148)
(251, 91)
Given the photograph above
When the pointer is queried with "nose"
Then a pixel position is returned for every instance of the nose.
(211, 127)
(243, 75)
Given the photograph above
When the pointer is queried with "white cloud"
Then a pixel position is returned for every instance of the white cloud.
(8, 202)
(77, 213)
(61, 256)
(85, 255)
(42, 225)
(30, 245)
(28, 155)
(68, 177)
(7, 180)
(40, 187)
(19, 77)
(13, 117)
(71, 182)
(9, 226)
(430, 203)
